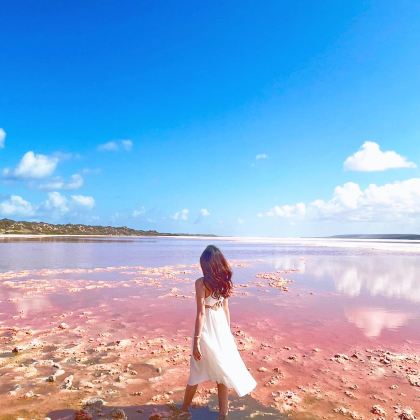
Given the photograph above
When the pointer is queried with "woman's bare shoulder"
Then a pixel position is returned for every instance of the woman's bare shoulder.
(199, 282)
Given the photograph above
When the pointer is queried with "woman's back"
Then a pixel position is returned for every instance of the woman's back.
(210, 299)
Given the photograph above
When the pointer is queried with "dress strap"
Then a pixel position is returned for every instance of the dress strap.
(211, 291)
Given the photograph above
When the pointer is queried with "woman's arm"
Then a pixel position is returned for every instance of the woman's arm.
(200, 295)
(226, 309)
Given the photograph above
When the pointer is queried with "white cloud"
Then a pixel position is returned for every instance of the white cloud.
(370, 158)
(138, 212)
(94, 171)
(116, 145)
(84, 201)
(2, 138)
(181, 215)
(394, 202)
(75, 182)
(67, 156)
(110, 146)
(346, 200)
(15, 205)
(127, 145)
(287, 211)
(261, 156)
(204, 212)
(240, 220)
(57, 202)
(33, 166)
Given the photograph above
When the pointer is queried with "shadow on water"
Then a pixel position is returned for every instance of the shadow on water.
(241, 408)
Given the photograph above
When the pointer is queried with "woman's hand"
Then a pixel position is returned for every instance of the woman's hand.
(197, 351)
(199, 319)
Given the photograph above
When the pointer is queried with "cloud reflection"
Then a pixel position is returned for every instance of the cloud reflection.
(289, 263)
(382, 281)
(30, 306)
(372, 321)
(392, 276)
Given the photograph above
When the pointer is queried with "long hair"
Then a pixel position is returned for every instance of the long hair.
(217, 272)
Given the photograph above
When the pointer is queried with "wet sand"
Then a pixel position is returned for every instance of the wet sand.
(110, 342)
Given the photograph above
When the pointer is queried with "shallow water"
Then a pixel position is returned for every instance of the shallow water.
(333, 300)
(376, 292)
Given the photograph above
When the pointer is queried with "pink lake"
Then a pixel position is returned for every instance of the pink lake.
(115, 315)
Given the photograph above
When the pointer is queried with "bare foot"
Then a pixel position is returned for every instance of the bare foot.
(184, 413)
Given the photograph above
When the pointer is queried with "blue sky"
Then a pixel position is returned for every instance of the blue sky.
(238, 118)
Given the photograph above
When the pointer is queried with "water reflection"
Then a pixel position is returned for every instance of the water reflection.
(390, 276)
(372, 321)
(373, 291)
(376, 293)
(29, 306)
(289, 263)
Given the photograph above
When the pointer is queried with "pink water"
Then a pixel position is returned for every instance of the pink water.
(338, 301)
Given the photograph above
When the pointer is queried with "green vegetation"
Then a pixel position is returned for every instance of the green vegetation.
(8, 226)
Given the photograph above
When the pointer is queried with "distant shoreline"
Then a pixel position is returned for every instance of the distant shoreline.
(38, 229)
(392, 236)
(104, 235)
(378, 245)
(342, 238)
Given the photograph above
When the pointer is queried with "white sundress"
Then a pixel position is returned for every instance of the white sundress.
(220, 358)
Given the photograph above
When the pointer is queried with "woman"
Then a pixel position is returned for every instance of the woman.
(214, 352)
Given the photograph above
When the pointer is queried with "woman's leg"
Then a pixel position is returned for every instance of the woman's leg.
(223, 394)
(188, 396)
